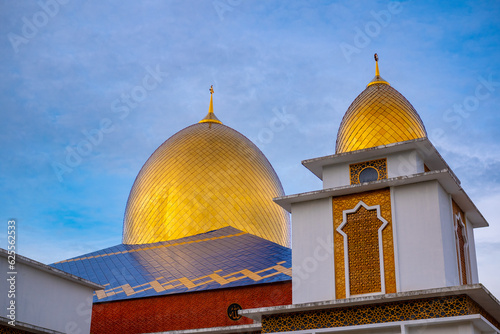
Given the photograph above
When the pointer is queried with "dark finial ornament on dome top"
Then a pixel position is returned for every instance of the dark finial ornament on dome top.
(211, 118)
(378, 79)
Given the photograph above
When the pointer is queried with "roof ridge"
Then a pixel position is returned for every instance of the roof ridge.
(164, 244)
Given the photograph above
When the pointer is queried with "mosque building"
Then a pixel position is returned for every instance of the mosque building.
(387, 246)
(202, 238)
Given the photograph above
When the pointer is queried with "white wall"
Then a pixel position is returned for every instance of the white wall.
(421, 257)
(404, 163)
(336, 176)
(398, 164)
(49, 301)
(448, 237)
(312, 251)
(430, 326)
(425, 243)
(472, 253)
(373, 330)
(465, 327)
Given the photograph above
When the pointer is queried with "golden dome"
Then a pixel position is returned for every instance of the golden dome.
(380, 115)
(205, 177)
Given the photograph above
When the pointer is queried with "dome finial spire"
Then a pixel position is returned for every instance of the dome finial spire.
(378, 79)
(377, 73)
(211, 106)
(211, 118)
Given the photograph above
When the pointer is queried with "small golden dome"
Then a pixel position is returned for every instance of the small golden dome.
(205, 177)
(380, 115)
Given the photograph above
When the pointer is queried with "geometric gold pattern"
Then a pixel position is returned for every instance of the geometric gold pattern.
(205, 177)
(160, 284)
(363, 262)
(427, 308)
(380, 165)
(462, 245)
(362, 228)
(380, 115)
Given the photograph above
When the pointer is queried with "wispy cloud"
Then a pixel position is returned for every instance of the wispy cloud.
(262, 56)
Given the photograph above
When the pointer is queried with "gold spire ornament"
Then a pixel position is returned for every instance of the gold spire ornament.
(211, 118)
(378, 79)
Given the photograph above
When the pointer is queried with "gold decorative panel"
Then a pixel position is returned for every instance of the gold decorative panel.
(205, 177)
(362, 226)
(380, 115)
(380, 165)
(364, 262)
(461, 242)
(428, 308)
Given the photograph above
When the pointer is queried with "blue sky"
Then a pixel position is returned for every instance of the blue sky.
(130, 74)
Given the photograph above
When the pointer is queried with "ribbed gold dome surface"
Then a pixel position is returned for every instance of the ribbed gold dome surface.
(380, 115)
(205, 177)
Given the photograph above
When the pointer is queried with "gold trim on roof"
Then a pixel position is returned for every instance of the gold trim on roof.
(161, 284)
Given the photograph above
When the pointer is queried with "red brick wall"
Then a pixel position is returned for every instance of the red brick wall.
(184, 311)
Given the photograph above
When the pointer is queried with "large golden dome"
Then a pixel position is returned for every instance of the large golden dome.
(205, 177)
(380, 115)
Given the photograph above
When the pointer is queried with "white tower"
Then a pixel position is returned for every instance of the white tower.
(387, 245)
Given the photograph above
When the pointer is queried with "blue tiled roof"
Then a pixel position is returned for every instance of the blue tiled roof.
(218, 259)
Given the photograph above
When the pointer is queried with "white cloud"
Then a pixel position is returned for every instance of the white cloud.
(262, 55)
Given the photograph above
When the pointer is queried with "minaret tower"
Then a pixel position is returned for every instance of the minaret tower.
(391, 210)
(387, 246)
